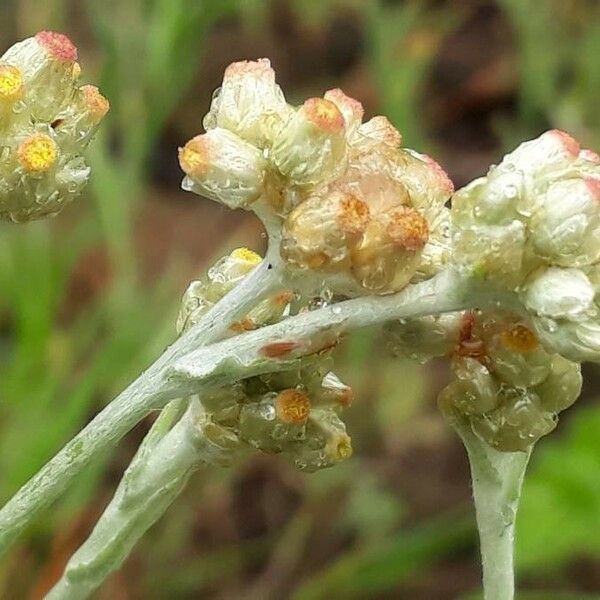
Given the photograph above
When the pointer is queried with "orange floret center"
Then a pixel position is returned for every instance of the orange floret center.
(353, 216)
(519, 338)
(324, 114)
(292, 406)
(408, 228)
(96, 103)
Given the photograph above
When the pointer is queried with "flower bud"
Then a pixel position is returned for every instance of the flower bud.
(475, 390)
(46, 63)
(222, 277)
(516, 424)
(39, 177)
(223, 167)
(274, 420)
(544, 156)
(320, 233)
(326, 443)
(351, 109)
(578, 341)
(389, 252)
(559, 293)
(46, 123)
(374, 134)
(517, 358)
(423, 338)
(80, 121)
(311, 147)
(249, 103)
(492, 252)
(334, 392)
(565, 230)
(562, 386)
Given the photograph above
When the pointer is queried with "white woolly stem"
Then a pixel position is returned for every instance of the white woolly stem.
(497, 481)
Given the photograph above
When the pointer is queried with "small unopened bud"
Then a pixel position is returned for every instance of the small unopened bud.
(491, 252)
(249, 103)
(516, 424)
(339, 447)
(320, 233)
(292, 406)
(58, 46)
(543, 155)
(223, 167)
(565, 230)
(562, 386)
(351, 109)
(389, 251)
(559, 293)
(375, 132)
(223, 276)
(46, 63)
(333, 391)
(311, 147)
(422, 338)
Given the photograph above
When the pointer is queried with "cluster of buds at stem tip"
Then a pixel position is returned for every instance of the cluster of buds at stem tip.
(295, 413)
(506, 385)
(352, 206)
(532, 226)
(46, 121)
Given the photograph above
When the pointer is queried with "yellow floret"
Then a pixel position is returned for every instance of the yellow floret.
(339, 447)
(247, 255)
(37, 153)
(11, 82)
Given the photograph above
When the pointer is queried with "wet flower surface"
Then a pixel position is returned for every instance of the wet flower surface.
(294, 413)
(46, 121)
(352, 204)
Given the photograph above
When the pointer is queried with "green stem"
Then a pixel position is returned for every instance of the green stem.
(497, 482)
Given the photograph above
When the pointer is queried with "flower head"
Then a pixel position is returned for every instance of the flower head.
(540, 206)
(294, 413)
(350, 205)
(506, 385)
(532, 226)
(46, 122)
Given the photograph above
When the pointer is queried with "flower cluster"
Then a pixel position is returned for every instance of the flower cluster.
(294, 413)
(46, 122)
(532, 225)
(350, 203)
(508, 387)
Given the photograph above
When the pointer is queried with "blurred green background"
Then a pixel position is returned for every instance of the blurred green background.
(88, 300)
